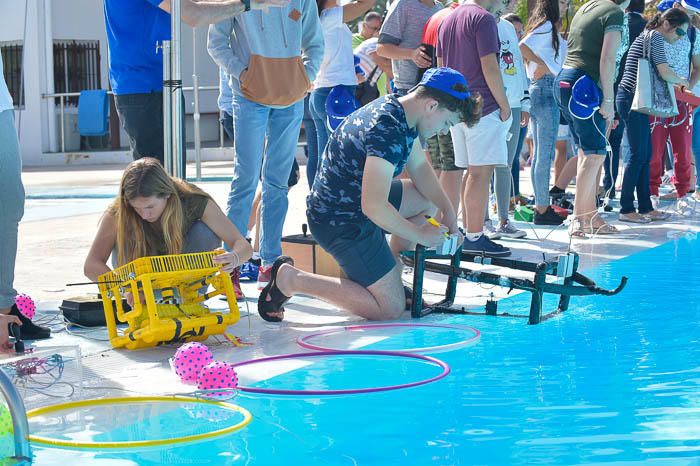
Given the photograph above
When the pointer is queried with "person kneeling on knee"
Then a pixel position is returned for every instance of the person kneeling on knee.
(356, 199)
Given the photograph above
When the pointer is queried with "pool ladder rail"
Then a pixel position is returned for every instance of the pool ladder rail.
(20, 424)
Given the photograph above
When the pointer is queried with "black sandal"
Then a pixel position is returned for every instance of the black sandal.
(409, 299)
(277, 299)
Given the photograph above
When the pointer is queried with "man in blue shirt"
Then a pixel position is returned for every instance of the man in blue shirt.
(134, 27)
(356, 199)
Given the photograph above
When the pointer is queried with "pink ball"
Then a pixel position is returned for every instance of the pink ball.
(189, 360)
(215, 375)
(25, 305)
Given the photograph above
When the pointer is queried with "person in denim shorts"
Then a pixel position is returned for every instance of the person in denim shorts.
(594, 37)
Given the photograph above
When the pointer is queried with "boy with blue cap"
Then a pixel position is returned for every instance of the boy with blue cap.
(356, 199)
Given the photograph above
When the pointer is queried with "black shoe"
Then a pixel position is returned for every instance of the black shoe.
(484, 246)
(564, 202)
(556, 193)
(549, 217)
(29, 330)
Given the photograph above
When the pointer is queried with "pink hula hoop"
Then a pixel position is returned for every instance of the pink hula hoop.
(303, 341)
(351, 391)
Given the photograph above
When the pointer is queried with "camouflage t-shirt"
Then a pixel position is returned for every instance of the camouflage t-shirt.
(379, 129)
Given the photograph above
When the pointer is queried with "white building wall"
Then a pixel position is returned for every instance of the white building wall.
(15, 16)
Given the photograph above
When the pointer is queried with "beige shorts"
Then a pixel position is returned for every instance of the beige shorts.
(486, 143)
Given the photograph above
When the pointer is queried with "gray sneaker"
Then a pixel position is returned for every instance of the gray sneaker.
(508, 230)
(490, 231)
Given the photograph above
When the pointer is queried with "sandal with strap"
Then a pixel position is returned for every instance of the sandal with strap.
(277, 300)
(604, 229)
(576, 230)
(657, 216)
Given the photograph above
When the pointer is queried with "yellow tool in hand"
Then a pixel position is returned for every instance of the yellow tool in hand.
(434, 223)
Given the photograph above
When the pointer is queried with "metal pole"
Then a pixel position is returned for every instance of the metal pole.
(176, 95)
(167, 111)
(19, 417)
(63, 128)
(196, 116)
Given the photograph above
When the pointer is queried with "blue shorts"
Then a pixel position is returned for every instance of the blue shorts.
(589, 134)
(360, 248)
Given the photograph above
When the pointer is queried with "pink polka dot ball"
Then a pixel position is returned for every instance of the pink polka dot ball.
(215, 375)
(189, 360)
(25, 305)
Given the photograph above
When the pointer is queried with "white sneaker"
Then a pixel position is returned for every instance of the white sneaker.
(490, 231)
(509, 230)
(666, 178)
(685, 206)
(654, 202)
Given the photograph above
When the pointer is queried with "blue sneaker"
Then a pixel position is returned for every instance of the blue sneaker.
(249, 271)
(485, 246)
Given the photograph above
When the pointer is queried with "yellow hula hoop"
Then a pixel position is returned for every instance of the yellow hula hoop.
(247, 417)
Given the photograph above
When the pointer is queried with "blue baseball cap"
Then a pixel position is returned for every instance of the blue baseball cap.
(446, 80)
(339, 104)
(358, 68)
(691, 5)
(665, 5)
(585, 98)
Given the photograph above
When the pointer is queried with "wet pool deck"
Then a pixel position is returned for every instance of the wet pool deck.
(63, 209)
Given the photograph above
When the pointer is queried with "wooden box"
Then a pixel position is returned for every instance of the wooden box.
(309, 256)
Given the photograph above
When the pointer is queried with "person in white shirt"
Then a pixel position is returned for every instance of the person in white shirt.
(338, 65)
(544, 49)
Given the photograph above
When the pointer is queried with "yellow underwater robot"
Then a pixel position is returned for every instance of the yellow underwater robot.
(168, 294)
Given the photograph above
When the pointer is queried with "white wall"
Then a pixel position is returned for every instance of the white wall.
(11, 19)
(82, 20)
(12, 28)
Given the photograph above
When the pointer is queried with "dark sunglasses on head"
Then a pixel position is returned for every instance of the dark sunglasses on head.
(680, 32)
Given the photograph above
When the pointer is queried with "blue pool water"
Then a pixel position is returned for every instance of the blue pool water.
(615, 380)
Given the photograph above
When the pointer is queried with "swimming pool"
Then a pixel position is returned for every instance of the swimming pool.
(614, 380)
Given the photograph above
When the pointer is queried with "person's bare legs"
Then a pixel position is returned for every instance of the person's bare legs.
(568, 173)
(560, 150)
(451, 182)
(254, 219)
(476, 195)
(414, 207)
(463, 192)
(382, 300)
(586, 189)
(258, 210)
